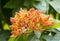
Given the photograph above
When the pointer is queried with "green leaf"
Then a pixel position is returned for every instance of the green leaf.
(56, 24)
(38, 34)
(58, 29)
(10, 4)
(52, 30)
(42, 5)
(34, 39)
(13, 4)
(11, 39)
(30, 3)
(57, 37)
(52, 38)
(30, 36)
(47, 37)
(55, 4)
(4, 35)
(21, 38)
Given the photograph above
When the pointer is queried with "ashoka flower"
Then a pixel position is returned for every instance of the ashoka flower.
(29, 20)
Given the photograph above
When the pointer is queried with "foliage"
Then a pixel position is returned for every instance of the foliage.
(9, 7)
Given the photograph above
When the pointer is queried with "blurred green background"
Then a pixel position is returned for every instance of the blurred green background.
(9, 7)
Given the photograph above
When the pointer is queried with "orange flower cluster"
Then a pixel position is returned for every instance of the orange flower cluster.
(30, 20)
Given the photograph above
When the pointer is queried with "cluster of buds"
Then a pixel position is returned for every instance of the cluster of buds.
(30, 20)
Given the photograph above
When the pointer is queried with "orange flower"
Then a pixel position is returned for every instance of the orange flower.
(28, 20)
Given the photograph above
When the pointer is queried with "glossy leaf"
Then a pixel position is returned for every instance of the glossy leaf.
(55, 4)
(38, 34)
(53, 38)
(34, 39)
(42, 5)
(47, 38)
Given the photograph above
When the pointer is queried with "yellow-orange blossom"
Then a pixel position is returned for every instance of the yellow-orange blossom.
(29, 20)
